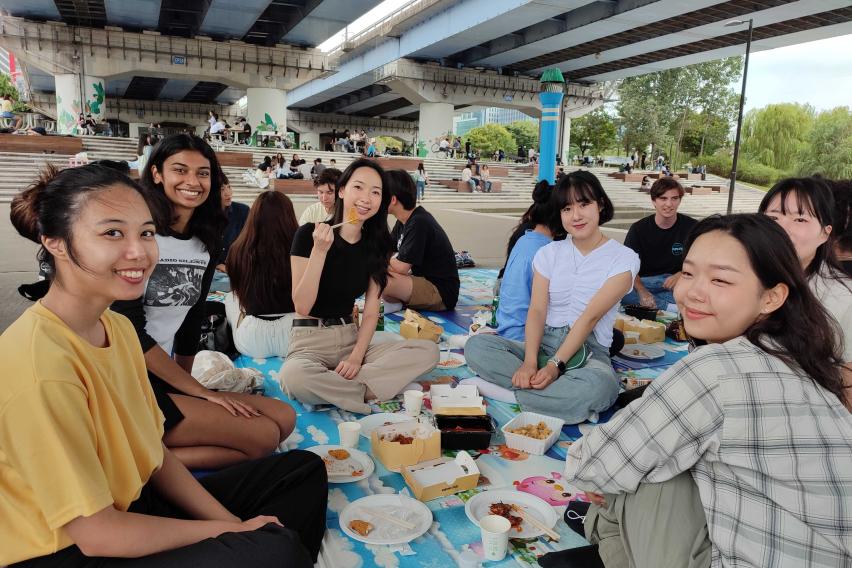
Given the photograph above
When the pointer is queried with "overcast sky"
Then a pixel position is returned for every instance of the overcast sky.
(818, 73)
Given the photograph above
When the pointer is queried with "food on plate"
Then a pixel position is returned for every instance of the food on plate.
(361, 527)
(358, 473)
(451, 363)
(538, 431)
(400, 439)
(676, 331)
(505, 510)
(649, 331)
(339, 454)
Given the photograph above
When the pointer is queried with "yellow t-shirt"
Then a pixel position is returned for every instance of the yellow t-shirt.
(6, 105)
(80, 429)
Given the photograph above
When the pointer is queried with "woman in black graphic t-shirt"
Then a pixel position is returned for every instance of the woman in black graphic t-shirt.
(204, 428)
(331, 360)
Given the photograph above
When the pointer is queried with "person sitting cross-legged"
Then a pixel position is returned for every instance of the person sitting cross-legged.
(563, 367)
(423, 274)
(658, 240)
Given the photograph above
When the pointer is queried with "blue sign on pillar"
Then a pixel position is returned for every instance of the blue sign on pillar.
(178, 60)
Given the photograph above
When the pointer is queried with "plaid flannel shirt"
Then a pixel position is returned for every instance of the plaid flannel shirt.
(770, 451)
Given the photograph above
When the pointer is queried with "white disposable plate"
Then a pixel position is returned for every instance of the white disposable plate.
(642, 351)
(357, 460)
(451, 360)
(373, 421)
(384, 531)
(478, 507)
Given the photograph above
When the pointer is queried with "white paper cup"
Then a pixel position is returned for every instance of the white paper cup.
(495, 536)
(413, 402)
(349, 433)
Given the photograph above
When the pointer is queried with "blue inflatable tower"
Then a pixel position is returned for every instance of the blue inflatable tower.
(550, 95)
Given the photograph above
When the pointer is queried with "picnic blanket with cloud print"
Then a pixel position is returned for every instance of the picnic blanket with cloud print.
(501, 467)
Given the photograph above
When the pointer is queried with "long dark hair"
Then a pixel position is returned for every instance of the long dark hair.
(258, 262)
(543, 211)
(800, 332)
(813, 196)
(50, 206)
(208, 220)
(375, 229)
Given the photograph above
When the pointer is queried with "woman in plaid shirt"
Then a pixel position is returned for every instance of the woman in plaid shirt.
(741, 453)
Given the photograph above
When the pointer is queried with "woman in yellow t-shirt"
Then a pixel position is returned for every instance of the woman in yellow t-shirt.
(84, 477)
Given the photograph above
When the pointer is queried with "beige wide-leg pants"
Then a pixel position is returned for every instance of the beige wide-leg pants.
(661, 525)
(308, 372)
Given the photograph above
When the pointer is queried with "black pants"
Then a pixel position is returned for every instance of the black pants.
(291, 486)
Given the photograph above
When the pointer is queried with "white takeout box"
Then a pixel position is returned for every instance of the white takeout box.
(441, 477)
(463, 400)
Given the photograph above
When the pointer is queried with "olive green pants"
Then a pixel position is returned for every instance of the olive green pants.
(661, 525)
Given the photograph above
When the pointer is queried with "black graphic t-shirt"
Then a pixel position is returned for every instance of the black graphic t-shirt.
(171, 310)
(660, 250)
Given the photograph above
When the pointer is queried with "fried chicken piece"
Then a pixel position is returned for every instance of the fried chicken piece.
(339, 454)
(505, 510)
(361, 527)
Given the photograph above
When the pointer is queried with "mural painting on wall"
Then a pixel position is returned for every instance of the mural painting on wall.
(266, 126)
(98, 97)
(67, 115)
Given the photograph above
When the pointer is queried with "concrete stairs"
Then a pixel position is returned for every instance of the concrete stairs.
(21, 169)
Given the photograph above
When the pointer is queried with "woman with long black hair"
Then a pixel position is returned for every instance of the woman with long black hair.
(331, 360)
(805, 209)
(740, 454)
(204, 428)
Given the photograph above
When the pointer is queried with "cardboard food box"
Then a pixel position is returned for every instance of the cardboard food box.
(424, 446)
(415, 326)
(649, 331)
(442, 476)
(462, 400)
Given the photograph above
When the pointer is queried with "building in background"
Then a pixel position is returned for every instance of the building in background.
(463, 122)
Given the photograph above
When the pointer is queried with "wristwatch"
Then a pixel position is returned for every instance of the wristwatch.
(560, 365)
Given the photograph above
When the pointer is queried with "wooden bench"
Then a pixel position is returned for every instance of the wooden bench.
(398, 163)
(494, 171)
(236, 159)
(295, 186)
(705, 189)
(65, 145)
(464, 187)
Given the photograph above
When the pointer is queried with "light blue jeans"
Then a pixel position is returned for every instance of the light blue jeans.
(573, 397)
(654, 284)
(421, 189)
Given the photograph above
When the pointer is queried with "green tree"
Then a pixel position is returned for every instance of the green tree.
(488, 138)
(8, 88)
(525, 133)
(776, 134)
(704, 134)
(829, 146)
(653, 109)
(385, 142)
(597, 128)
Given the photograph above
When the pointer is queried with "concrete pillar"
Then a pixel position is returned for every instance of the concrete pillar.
(551, 106)
(69, 103)
(310, 138)
(436, 121)
(565, 143)
(265, 105)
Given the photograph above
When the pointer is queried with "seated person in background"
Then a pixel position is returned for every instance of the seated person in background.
(740, 454)
(646, 184)
(371, 149)
(294, 167)
(467, 177)
(244, 130)
(537, 228)
(658, 240)
(331, 359)
(423, 274)
(261, 316)
(85, 478)
(444, 146)
(563, 369)
(6, 106)
(326, 185)
(237, 213)
(317, 168)
(482, 178)
(265, 164)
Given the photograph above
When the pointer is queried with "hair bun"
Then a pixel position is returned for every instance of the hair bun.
(542, 192)
(24, 210)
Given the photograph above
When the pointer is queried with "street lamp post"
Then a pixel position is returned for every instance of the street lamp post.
(740, 118)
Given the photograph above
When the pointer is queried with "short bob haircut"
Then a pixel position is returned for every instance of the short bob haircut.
(664, 184)
(583, 187)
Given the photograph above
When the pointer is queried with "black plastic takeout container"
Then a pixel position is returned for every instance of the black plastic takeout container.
(465, 432)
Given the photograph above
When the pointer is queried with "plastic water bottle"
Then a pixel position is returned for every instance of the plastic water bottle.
(494, 304)
(380, 325)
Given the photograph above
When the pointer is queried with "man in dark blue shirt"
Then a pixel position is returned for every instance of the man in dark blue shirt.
(237, 213)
